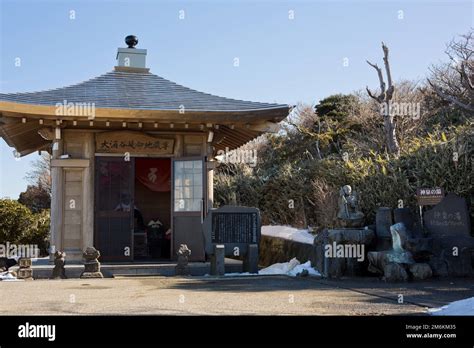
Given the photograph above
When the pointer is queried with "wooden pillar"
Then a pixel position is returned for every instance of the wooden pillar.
(210, 189)
(210, 178)
(88, 193)
(179, 146)
(57, 211)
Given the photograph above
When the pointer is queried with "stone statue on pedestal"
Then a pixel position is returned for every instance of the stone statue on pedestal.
(182, 268)
(91, 264)
(349, 212)
(59, 272)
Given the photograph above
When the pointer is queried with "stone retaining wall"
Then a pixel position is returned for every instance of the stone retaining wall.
(275, 250)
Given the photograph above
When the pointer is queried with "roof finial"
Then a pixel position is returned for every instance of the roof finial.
(131, 41)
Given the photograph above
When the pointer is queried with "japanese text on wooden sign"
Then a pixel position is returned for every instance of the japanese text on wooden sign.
(132, 142)
(429, 196)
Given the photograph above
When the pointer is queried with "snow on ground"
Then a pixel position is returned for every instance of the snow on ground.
(291, 268)
(8, 277)
(289, 233)
(462, 307)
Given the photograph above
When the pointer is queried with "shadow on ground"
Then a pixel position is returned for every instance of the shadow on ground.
(433, 293)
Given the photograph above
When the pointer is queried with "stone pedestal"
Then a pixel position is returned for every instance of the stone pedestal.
(395, 272)
(421, 248)
(383, 221)
(398, 263)
(91, 264)
(421, 271)
(251, 259)
(92, 270)
(332, 249)
(25, 271)
(218, 260)
(453, 256)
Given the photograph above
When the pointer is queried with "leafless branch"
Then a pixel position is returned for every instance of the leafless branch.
(390, 89)
(450, 98)
(380, 98)
(453, 81)
(465, 78)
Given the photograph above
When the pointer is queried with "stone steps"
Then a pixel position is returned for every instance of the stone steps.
(134, 269)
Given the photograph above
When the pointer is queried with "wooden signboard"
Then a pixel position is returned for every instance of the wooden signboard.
(132, 142)
(429, 196)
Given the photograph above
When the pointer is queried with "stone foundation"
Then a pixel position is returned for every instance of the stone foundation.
(276, 250)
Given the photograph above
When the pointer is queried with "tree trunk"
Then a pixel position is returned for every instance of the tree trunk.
(390, 135)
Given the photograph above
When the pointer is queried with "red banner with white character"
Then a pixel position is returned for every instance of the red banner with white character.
(154, 173)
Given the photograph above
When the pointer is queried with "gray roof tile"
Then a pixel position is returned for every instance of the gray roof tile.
(141, 91)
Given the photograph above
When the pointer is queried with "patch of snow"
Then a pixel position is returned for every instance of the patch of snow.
(280, 268)
(462, 307)
(305, 266)
(8, 277)
(289, 233)
(291, 268)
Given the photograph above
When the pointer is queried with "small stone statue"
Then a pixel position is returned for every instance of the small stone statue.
(91, 264)
(349, 211)
(59, 272)
(182, 267)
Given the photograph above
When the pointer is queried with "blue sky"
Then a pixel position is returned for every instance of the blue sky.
(281, 59)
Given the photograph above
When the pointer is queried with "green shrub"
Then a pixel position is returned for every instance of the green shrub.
(38, 234)
(424, 162)
(381, 180)
(19, 225)
(15, 221)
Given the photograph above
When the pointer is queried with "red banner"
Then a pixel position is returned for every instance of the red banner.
(154, 173)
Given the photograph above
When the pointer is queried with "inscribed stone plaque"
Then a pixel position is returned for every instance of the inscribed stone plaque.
(383, 221)
(448, 218)
(235, 227)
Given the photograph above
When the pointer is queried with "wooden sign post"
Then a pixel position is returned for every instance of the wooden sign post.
(428, 196)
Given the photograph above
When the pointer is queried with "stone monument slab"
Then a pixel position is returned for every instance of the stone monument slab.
(448, 223)
(448, 218)
(383, 221)
(235, 227)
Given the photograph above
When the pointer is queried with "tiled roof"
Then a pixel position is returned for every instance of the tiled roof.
(136, 90)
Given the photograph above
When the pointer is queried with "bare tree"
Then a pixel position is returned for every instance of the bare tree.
(454, 82)
(384, 98)
(40, 174)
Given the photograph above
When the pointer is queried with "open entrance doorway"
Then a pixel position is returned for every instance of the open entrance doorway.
(152, 211)
(133, 209)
